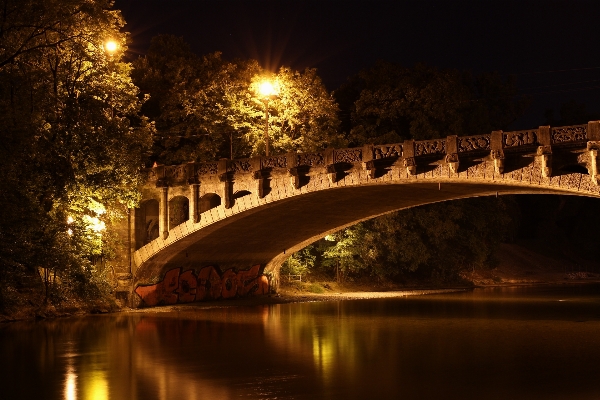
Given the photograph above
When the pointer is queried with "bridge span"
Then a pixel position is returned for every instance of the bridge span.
(222, 229)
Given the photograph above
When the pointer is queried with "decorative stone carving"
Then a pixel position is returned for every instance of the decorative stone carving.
(179, 173)
(311, 159)
(569, 134)
(274, 162)
(387, 151)
(169, 171)
(237, 166)
(519, 138)
(206, 168)
(424, 147)
(471, 143)
(348, 155)
(152, 174)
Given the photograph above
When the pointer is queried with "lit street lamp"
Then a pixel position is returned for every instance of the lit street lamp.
(267, 92)
(110, 47)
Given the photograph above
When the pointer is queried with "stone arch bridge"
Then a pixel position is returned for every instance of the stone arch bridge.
(222, 229)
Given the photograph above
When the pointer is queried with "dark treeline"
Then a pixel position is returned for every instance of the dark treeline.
(438, 243)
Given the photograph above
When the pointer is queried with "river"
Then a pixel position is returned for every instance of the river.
(537, 342)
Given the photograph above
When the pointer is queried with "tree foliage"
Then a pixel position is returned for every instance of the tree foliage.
(389, 103)
(207, 107)
(68, 119)
(435, 242)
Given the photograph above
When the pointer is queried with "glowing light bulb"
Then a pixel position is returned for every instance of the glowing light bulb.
(267, 89)
(111, 46)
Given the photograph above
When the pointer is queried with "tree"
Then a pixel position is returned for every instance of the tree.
(344, 255)
(389, 103)
(72, 137)
(439, 240)
(300, 262)
(302, 117)
(207, 107)
(435, 242)
(571, 113)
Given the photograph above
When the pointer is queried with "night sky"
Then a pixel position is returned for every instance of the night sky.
(550, 46)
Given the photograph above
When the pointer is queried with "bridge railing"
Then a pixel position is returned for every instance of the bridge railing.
(450, 150)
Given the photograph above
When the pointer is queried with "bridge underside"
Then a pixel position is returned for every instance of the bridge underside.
(268, 234)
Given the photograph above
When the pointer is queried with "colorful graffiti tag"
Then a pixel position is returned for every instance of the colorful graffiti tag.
(187, 286)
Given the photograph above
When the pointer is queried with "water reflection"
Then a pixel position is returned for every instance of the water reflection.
(519, 343)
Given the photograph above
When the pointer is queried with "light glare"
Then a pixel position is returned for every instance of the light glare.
(111, 46)
(267, 89)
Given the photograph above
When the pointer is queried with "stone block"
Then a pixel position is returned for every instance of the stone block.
(570, 182)
(253, 200)
(207, 217)
(143, 253)
(236, 209)
(137, 259)
(284, 190)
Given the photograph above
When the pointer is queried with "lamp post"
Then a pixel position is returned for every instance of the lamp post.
(110, 46)
(267, 92)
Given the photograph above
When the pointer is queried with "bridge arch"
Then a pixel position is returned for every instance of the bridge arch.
(209, 201)
(294, 199)
(146, 222)
(179, 211)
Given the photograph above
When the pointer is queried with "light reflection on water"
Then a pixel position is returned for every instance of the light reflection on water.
(518, 343)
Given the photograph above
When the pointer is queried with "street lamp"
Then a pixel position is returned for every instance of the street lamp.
(110, 46)
(267, 92)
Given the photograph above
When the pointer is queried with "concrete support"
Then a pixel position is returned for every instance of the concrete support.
(164, 212)
(226, 177)
(497, 153)
(544, 151)
(452, 153)
(592, 151)
(194, 210)
(408, 157)
(592, 161)
(368, 162)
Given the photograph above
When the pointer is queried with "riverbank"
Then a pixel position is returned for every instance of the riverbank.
(517, 265)
(285, 296)
(288, 293)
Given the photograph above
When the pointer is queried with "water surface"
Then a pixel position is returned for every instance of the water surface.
(500, 343)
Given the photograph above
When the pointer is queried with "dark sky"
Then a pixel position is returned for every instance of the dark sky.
(552, 47)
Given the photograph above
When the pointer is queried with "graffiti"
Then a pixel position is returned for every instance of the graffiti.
(207, 284)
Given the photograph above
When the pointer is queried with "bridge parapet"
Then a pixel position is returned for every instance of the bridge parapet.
(451, 150)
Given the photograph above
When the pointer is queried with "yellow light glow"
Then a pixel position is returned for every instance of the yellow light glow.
(111, 46)
(70, 220)
(70, 232)
(96, 207)
(267, 89)
(96, 386)
(94, 223)
(71, 385)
